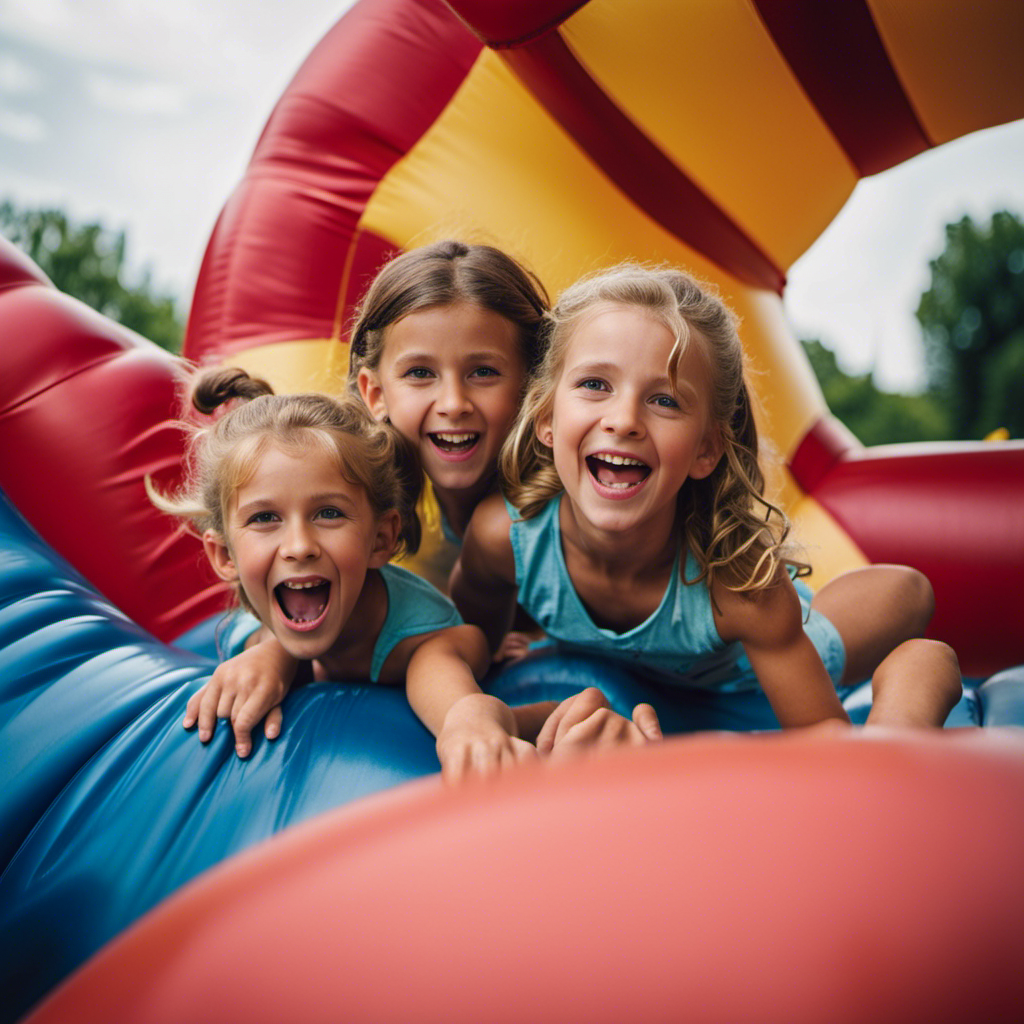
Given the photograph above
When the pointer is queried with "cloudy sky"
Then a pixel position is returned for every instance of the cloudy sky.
(143, 114)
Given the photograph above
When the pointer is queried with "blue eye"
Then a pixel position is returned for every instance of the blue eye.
(485, 371)
(592, 384)
(419, 373)
(331, 513)
(262, 517)
(666, 402)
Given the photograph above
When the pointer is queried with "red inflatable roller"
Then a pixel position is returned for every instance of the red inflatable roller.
(791, 879)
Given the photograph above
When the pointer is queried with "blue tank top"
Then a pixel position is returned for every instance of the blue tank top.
(678, 644)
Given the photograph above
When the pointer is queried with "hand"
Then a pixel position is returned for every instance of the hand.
(244, 689)
(477, 740)
(514, 647)
(585, 722)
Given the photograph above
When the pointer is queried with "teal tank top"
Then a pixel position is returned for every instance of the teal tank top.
(679, 644)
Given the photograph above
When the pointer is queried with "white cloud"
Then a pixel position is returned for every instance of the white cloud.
(16, 77)
(223, 47)
(22, 126)
(136, 97)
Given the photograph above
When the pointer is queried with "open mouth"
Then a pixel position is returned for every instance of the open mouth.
(304, 602)
(455, 442)
(617, 472)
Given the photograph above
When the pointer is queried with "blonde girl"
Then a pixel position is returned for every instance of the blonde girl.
(635, 525)
(301, 502)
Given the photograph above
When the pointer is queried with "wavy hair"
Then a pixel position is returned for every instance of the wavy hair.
(223, 455)
(734, 533)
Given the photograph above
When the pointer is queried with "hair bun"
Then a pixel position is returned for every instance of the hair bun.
(213, 388)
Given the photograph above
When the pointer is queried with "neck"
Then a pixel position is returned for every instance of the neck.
(458, 505)
(358, 637)
(640, 551)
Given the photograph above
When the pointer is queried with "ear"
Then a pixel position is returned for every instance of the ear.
(709, 456)
(220, 557)
(544, 432)
(388, 527)
(372, 393)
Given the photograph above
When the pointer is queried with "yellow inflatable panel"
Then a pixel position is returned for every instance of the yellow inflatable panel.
(961, 63)
(751, 140)
(293, 366)
(494, 153)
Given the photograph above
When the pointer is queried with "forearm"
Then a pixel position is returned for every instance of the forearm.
(443, 671)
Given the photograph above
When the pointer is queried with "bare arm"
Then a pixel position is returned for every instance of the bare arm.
(483, 582)
(769, 624)
(476, 734)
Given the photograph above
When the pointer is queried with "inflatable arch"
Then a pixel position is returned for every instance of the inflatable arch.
(720, 136)
(794, 877)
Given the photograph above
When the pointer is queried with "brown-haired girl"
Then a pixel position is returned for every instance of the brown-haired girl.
(442, 347)
(635, 526)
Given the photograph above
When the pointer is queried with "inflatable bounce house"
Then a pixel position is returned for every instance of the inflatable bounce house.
(716, 877)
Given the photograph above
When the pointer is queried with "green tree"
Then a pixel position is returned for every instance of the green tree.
(88, 262)
(973, 321)
(874, 416)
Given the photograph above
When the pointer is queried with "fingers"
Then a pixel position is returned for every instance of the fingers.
(209, 706)
(192, 709)
(244, 720)
(513, 647)
(245, 706)
(645, 718)
(483, 758)
(567, 715)
(272, 726)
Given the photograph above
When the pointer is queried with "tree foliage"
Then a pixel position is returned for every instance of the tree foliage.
(973, 321)
(874, 416)
(88, 262)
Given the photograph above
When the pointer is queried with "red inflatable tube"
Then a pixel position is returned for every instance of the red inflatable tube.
(793, 879)
(86, 411)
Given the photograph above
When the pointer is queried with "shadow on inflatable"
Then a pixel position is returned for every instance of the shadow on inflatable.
(794, 878)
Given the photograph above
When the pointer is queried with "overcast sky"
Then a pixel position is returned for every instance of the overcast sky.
(143, 114)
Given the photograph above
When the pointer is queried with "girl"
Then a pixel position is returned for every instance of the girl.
(636, 525)
(301, 501)
(442, 347)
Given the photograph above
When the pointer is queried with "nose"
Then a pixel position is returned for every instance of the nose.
(454, 400)
(622, 417)
(299, 542)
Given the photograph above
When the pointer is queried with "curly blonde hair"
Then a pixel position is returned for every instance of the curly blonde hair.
(734, 533)
(223, 455)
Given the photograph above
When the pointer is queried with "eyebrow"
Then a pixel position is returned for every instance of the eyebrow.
(609, 368)
(259, 504)
(487, 356)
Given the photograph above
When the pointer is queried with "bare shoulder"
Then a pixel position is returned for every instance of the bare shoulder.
(487, 545)
(767, 616)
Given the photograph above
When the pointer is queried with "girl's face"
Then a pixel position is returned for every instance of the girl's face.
(450, 379)
(300, 538)
(625, 440)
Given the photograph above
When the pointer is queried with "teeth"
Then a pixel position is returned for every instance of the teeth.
(302, 584)
(454, 438)
(619, 460)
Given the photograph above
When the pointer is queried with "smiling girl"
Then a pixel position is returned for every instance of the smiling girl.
(301, 502)
(442, 347)
(635, 527)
